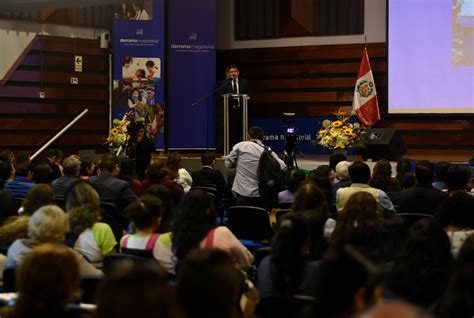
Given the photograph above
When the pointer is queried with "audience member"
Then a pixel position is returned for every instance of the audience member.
(138, 291)
(457, 178)
(128, 173)
(295, 177)
(167, 206)
(404, 173)
(342, 175)
(382, 177)
(42, 173)
(209, 285)
(335, 158)
(109, 186)
(8, 205)
(157, 173)
(88, 168)
(441, 171)
(421, 271)
(245, 157)
(324, 177)
(7, 172)
(71, 169)
(22, 183)
(16, 227)
(287, 270)
(359, 174)
(143, 150)
(181, 175)
(48, 280)
(145, 214)
(49, 224)
(455, 214)
(209, 175)
(90, 237)
(422, 197)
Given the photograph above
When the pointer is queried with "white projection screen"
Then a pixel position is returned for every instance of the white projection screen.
(430, 56)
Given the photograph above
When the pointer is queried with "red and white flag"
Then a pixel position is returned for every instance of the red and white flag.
(365, 101)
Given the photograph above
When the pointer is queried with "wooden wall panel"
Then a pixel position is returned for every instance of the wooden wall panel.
(28, 121)
(316, 81)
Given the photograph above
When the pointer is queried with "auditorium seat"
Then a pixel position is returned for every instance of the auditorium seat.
(283, 306)
(249, 223)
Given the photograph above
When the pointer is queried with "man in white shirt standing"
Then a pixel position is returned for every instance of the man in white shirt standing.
(245, 157)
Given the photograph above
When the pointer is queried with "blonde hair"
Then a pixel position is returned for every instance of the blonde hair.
(48, 224)
(83, 207)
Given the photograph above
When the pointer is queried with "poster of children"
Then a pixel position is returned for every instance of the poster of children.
(141, 69)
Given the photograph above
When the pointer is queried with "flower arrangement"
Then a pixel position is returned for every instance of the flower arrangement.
(340, 133)
(123, 130)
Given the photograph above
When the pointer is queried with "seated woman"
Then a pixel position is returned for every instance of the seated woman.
(16, 227)
(48, 280)
(286, 270)
(157, 173)
(49, 224)
(195, 228)
(91, 238)
(180, 174)
(294, 179)
(145, 214)
(382, 177)
(128, 173)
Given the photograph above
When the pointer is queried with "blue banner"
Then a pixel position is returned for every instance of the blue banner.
(138, 65)
(192, 74)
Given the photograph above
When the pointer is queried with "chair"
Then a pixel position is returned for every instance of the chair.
(279, 213)
(260, 254)
(60, 201)
(89, 286)
(249, 223)
(211, 190)
(282, 307)
(111, 215)
(113, 261)
(284, 205)
(9, 282)
(410, 218)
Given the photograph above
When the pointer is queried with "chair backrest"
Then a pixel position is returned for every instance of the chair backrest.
(111, 215)
(211, 190)
(279, 213)
(249, 223)
(282, 306)
(9, 282)
(60, 201)
(89, 287)
(410, 218)
(260, 254)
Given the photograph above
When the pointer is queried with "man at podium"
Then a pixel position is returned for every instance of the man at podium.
(237, 86)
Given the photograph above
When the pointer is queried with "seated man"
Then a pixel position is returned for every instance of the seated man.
(109, 186)
(208, 175)
(359, 174)
(22, 183)
(72, 168)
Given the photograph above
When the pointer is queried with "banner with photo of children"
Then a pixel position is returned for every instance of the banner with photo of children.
(138, 88)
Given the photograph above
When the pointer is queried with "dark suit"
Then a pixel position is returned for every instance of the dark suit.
(62, 184)
(112, 189)
(209, 176)
(420, 199)
(235, 114)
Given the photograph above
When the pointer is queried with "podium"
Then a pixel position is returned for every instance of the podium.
(235, 119)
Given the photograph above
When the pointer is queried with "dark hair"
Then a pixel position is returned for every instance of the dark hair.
(335, 158)
(126, 59)
(309, 197)
(42, 173)
(403, 167)
(382, 176)
(320, 176)
(341, 274)
(173, 162)
(136, 291)
(86, 162)
(127, 169)
(40, 195)
(22, 169)
(6, 170)
(194, 218)
(8, 204)
(287, 256)
(141, 72)
(359, 172)
(421, 271)
(150, 63)
(457, 177)
(294, 179)
(256, 132)
(156, 171)
(233, 66)
(108, 162)
(456, 210)
(144, 212)
(441, 170)
(424, 172)
(208, 158)
(53, 152)
(167, 206)
(209, 285)
(357, 223)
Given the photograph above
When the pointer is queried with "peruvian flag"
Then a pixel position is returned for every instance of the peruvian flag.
(365, 101)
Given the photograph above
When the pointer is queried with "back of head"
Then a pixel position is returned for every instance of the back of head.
(295, 178)
(383, 166)
(441, 170)
(136, 290)
(207, 159)
(6, 170)
(22, 169)
(71, 166)
(48, 224)
(156, 170)
(342, 170)
(457, 210)
(359, 172)
(256, 132)
(173, 162)
(424, 172)
(403, 166)
(145, 213)
(48, 278)
(290, 248)
(83, 206)
(108, 162)
(309, 197)
(40, 195)
(194, 218)
(209, 284)
(457, 177)
(42, 173)
(335, 158)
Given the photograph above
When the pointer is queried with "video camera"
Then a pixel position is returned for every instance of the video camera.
(290, 146)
